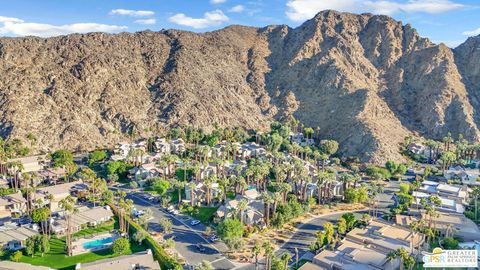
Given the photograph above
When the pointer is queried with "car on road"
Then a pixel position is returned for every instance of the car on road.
(213, 238)
(200, 248)
(175, 212)
(195, 222)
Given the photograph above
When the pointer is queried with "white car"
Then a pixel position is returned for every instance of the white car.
(195, 222)
(176, 212)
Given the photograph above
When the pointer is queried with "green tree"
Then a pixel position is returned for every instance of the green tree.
(350, 220)
(342, 226)
(329, 147)
(449, 243)
(16, 256)
(204, 265)
(41, 215)
(404, 188)
(161, 186)
(42, 244)
(97, 156)
(329, 232)
(391, 166)
(139, 236)
(30, 246)
(120, 246)
(230, 229)
(64, 158)
(166, 224)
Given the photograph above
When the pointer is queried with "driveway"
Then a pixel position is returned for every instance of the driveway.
(186, 236)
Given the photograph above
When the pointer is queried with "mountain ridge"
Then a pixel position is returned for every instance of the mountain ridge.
(366, 80)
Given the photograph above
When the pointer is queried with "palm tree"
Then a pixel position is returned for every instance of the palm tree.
(324, 180)
(242, 206)
(192, 186)
(276, 198)
(268, 251)
(185, 162)
(257, 251)
(209, 181)
(286, 257)
(449, 230)
(403, 255)
(267, 200)
(68, 205)
(16, 168)
(179, 185)
(391, 256)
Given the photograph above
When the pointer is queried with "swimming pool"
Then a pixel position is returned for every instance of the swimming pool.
(98, 242)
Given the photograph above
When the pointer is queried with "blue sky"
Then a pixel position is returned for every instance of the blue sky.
(448, 21)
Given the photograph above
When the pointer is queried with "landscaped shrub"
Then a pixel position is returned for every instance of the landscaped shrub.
(166, 262)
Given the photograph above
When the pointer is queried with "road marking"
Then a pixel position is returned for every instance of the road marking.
(186, 225)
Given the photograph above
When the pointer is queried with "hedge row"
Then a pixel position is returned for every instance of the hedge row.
(166, 262)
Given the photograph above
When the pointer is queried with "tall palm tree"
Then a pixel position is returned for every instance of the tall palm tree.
(267, 200)
(257, 251)
(68, 205)
(185, 162)
(242, 206)
(192, 186)
(403, 255)
(286, 257)
(276, 198)
(268, 251)
(179, 185)
(391, 256)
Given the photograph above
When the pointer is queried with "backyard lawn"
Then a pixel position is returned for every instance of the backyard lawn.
(57, 259)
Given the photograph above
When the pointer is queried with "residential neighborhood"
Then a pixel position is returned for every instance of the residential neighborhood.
(232, 200)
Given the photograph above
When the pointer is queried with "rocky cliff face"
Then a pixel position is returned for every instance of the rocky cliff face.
(366, 81)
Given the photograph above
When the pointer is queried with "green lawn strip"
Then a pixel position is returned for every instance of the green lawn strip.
(107, 226)
(57, 259)
(204, 214)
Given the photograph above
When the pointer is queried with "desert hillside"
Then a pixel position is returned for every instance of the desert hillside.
(367, 81)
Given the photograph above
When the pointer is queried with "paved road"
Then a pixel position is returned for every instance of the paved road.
(186, 237)
(306, 232)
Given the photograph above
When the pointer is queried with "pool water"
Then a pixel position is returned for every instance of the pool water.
(98, 242)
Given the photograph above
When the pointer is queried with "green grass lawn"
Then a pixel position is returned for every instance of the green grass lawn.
(57, 259)
(107, 226)
(204, 214)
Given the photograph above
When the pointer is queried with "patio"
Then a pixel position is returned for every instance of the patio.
(93, 243)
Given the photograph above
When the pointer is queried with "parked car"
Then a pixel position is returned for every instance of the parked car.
(200, 248)
(194, 222)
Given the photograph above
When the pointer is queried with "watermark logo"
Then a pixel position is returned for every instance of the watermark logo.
(450, 258)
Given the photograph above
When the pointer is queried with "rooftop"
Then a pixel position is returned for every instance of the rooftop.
(12, 198)
(62, 188)
(8, 234)
(138, 261)
(9, 265)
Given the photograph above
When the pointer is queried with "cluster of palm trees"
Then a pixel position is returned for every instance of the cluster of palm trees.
(449, 150)
(406, 261)
(266, 249)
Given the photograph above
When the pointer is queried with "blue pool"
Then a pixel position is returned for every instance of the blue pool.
(98, 242)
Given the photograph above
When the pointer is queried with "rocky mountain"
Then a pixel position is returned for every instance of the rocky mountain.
(367, 81)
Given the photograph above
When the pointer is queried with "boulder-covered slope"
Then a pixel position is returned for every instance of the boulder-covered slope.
(367, 81)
